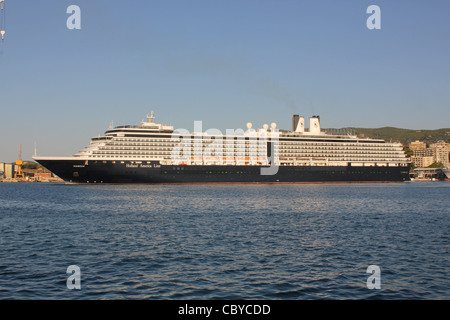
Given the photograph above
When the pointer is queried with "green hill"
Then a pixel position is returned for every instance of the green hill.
(405, 136)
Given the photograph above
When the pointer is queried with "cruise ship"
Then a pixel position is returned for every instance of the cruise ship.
(154, 153)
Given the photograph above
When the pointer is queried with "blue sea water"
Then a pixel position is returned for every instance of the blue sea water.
(294, 241)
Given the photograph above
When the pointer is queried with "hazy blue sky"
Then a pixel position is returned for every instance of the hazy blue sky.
(223, 62)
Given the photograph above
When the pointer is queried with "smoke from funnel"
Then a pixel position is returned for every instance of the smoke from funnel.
(284, 95)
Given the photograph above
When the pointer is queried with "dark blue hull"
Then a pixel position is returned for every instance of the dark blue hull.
(80, 171)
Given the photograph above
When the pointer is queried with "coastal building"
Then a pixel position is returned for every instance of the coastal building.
(40, 173)
(9, 170)
(421, 161)
(423, 152)
(417, 145)
(428, 174)
(441, 151)
(436, 152)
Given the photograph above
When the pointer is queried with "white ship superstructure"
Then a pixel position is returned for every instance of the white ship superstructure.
(150, 141)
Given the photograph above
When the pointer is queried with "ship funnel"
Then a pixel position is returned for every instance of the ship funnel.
(314, 125)
(298, 123)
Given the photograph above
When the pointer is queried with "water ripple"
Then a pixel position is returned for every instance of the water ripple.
(225, 242)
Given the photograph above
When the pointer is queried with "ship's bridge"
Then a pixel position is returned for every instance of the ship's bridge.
(147, 125)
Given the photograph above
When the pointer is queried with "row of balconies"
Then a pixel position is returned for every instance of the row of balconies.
(295, 143)
(334, 154)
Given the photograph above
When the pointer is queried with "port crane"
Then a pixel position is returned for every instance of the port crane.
(18, 174)
(2, 19)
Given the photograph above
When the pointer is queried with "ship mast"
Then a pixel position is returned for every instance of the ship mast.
(152, 116)
(2, 19)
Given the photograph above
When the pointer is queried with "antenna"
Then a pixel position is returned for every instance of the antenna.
(152, 117)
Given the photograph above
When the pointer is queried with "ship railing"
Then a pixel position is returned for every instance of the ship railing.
(304, 161)
(238, 161)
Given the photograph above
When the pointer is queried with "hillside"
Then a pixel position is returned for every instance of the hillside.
(405, 136)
